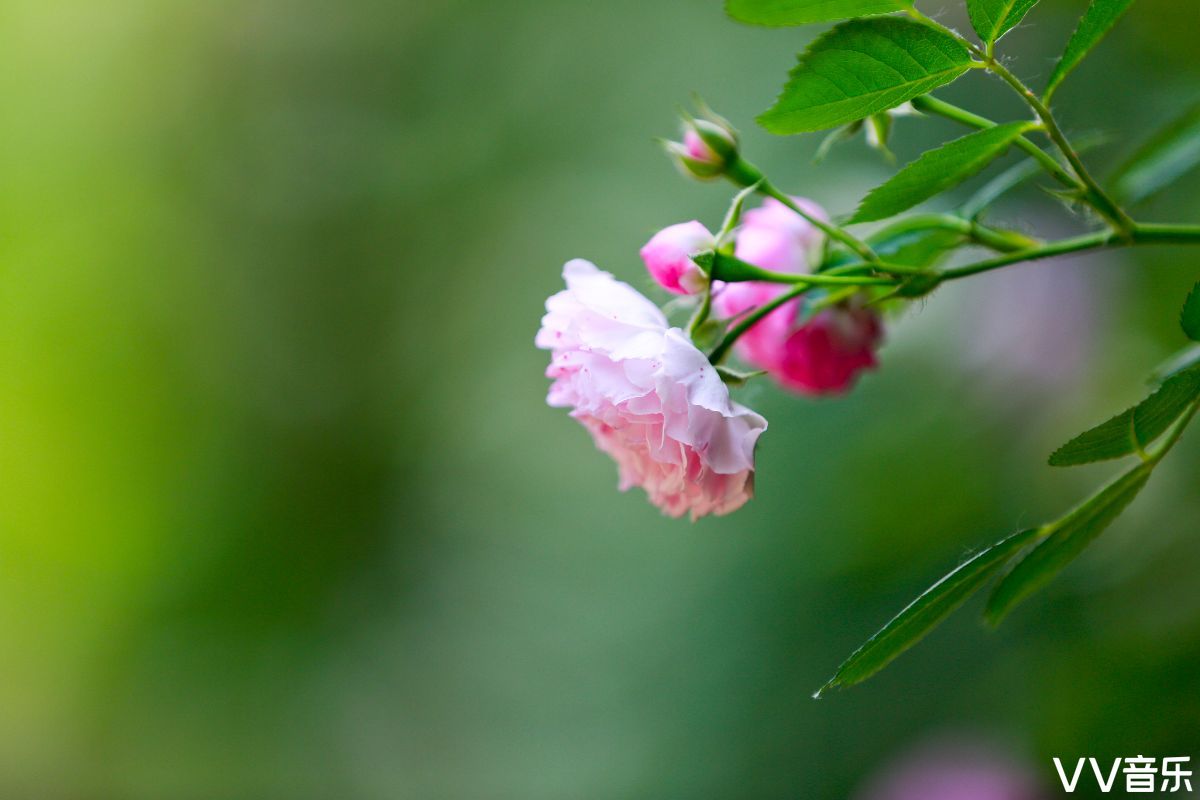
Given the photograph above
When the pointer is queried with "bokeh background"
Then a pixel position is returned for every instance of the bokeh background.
(283, 513)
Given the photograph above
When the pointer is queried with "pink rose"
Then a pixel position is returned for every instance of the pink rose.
(825, 354)
(820, 356)
(649, 398)
(668, 257)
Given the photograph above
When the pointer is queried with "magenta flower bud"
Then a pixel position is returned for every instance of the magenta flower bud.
(707, 150)
(668, 257)
(826, 353)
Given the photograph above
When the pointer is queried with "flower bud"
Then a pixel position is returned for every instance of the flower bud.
(668, 257)
(707, 150)
(825, 354)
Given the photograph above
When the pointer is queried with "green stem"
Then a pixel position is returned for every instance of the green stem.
(745, 174)
(1090, 241)
(1141, 233)
(1000, 240)
(1094, 194)
(724, 267)
(1165, 233)
(931, 105)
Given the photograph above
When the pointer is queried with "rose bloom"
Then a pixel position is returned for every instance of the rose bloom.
(668, 257)
(822, 355)
(648, 397)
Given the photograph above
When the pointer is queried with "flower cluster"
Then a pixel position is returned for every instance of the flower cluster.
(820, 354)
(644, 390)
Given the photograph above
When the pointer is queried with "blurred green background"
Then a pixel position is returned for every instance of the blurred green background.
(283, 513)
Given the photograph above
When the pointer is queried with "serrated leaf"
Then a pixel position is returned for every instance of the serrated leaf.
(1189, 318)
(994, 18)
(778, 13)
(1168, 155)
(1096, 22)
(1134, 429)
(923, 614)
(1065, 539)
(863, 67)
(937, 171)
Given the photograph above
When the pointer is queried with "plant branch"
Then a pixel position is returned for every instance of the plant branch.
(932, 105)
(1141, 233)
(1094, 194)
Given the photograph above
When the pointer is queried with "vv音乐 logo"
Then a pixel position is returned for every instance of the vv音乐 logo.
(1143, 775)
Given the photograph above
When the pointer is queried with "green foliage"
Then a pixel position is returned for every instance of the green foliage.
(1064, 540)
(863, 67)
(1096, 22)
(923, 614)
(994, 18)
(1189, 318)
(778, 13)
(937, 170)
(1134, 429)
(1167, 156)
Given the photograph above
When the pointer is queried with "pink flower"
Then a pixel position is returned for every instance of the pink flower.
(822, 355)
(668, 256)
(826, 353)
(962, 770)
(648, 397)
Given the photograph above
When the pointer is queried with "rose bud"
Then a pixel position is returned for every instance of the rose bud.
(668, 257)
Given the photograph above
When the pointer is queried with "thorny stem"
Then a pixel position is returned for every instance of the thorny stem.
(1093, 194)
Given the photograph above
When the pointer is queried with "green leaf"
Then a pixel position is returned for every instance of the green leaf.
(1189, 318)
(1168, 155)
(1064, 540)
(863, 67)
(923, 614)
(937, 171)
(1097, 20)
(1135, 428)
(777, 13)
(994, 18)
